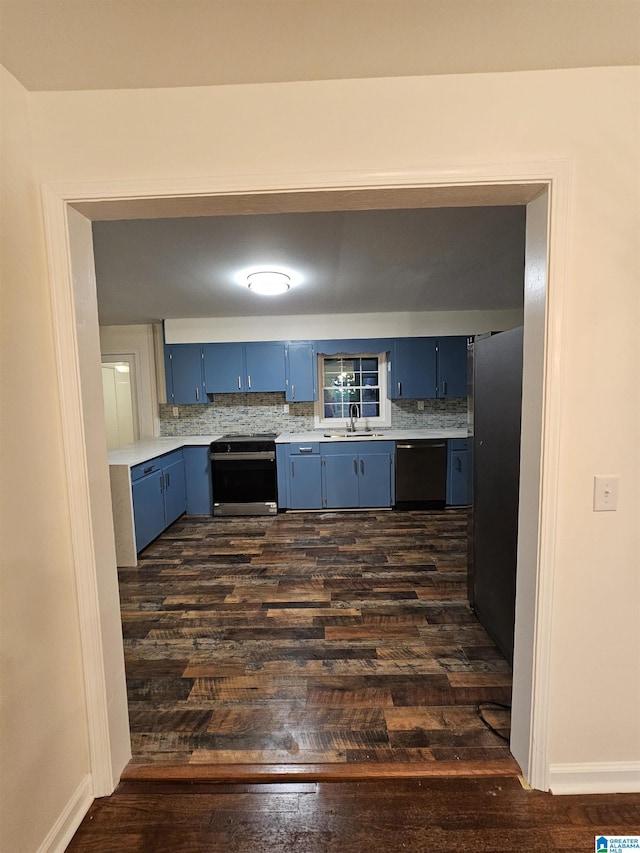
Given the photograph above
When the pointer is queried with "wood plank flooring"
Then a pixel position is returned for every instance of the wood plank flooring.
(310, 638)
(435, 815)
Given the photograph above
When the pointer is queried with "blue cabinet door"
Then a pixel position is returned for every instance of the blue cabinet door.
(301, 373)
(148, 508)
(340, 476)
(282, 474)
(186, 379)
(458, 473)
(197, 474)
(374, 479)
(265, 365)
(224, 371)
(414, 374)
(185, 361)
(175, 495)
(305, 482)
(452, 367)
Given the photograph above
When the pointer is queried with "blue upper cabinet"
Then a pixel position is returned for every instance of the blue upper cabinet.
(452, 366)
(238, 368)
(413, 369)
(265, 365)
(224, 371)
(184, 374)
(301, 373)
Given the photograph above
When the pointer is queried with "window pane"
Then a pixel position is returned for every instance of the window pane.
(351, 380)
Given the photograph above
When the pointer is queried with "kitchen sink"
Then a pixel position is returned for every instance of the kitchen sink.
(353, 434)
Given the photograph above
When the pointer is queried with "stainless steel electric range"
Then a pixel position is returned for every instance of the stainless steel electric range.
(243, 468)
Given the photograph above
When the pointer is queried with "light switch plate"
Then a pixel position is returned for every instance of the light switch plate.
(605, 493)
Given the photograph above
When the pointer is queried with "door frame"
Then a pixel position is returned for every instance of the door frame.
(473, 185)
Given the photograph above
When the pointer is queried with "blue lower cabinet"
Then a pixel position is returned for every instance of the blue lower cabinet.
(305, 482)
(197, 473)
(358, 474)
(148, 508)
(159, 496)
(175, 493)
(375, 479)
(458, 473)
(340, 475)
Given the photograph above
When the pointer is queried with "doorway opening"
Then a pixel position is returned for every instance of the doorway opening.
(528, 653)
(119, 393)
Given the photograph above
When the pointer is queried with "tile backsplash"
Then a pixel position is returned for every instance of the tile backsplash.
(265, 413)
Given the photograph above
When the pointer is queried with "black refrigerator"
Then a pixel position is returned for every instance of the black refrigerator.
(495, 377)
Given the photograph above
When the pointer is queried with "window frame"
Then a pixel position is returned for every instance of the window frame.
(383, 420)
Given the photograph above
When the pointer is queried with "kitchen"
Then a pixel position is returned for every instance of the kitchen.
(308, 429)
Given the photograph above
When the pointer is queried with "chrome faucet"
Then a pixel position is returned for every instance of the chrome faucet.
(354, 414)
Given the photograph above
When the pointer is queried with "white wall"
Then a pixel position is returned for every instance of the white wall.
(44, 757)
(335, 326)
(116, 340)
(587, 118)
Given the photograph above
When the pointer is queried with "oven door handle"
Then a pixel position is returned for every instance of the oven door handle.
(266, 455)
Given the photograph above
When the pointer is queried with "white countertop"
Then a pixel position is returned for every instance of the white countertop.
(376, 435)
(148, 448)
(142, 451)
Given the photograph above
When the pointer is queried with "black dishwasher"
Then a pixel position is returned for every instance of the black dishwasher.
(421, 474)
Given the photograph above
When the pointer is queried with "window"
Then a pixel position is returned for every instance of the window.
(358, 379)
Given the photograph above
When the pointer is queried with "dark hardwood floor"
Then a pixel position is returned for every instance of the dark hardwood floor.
(310, 638)
(394, 816)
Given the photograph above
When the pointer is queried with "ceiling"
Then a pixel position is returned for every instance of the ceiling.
(355, 261)
(122, 44)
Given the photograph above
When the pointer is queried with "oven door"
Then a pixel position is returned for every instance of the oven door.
(244, 483)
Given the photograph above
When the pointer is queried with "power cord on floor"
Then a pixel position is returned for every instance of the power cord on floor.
(480, 708)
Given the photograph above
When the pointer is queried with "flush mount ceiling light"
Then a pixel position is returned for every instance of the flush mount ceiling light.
(268, 282)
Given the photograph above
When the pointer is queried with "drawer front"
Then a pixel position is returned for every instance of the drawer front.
(309, 448)
(155, 464)
(144, 468)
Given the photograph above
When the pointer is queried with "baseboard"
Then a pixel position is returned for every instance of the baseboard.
(611, 777)
(69, 819)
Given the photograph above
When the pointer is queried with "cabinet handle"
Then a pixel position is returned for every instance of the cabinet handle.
(162, 482)
(239, 383)
(305, 450)
(355, 467)
(293, 469)
(249, 381)
(399, 389)
(167, 481)
(362, 466)
(293, 392)
(444, 388)
(149, 469)
(197, 393)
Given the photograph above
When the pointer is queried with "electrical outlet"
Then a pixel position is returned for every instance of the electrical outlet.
(605, 493)
(175, 412)
(285, 408)
(421, 405)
